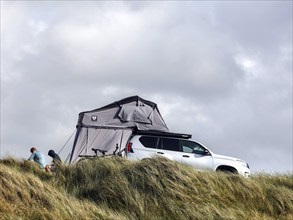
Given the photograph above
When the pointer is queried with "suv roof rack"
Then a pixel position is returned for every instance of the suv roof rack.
(162, 133)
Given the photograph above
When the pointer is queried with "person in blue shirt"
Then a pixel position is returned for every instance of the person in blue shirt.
(38, 157)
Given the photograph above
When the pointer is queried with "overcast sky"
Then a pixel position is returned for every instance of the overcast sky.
(221, 71)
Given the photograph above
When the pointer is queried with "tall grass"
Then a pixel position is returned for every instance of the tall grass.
(116, 188)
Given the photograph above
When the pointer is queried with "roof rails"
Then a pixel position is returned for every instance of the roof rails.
(162, 133)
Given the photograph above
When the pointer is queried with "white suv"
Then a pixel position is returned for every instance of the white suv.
(180, 148)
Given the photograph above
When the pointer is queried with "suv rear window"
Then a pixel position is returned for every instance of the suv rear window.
(148, 141)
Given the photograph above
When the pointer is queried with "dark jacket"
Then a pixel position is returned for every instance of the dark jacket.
(56, 158)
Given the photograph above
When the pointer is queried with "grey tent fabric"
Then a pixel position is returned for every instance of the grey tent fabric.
(133, 114)
(103, 139)
(111, 126)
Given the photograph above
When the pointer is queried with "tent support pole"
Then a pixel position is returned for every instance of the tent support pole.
(74, 143)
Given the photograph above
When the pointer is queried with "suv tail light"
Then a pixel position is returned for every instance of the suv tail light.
(129, 147)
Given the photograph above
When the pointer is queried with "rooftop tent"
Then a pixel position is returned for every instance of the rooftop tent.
(110, 127)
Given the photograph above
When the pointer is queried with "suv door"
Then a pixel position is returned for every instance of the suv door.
(170, 148)
(196, 155)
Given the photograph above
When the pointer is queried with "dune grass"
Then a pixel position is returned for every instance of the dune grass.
(116, 188)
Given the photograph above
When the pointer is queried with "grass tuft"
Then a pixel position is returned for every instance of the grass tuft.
(157, 188)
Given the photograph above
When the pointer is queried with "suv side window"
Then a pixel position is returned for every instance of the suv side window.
(148, 141)
(192, 147)
(170, 144)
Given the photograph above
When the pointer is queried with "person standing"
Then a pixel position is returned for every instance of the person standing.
(38, 157)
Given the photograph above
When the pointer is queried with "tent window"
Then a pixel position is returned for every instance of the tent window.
(149, 142)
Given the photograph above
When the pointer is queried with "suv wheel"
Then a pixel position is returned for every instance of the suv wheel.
(227, 169)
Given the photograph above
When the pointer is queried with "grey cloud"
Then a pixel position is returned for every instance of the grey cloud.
(256, 25)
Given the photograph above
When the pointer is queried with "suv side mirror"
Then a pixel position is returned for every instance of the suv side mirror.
(206, 152)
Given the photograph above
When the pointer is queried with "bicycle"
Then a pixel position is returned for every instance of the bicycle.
(103, 152)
